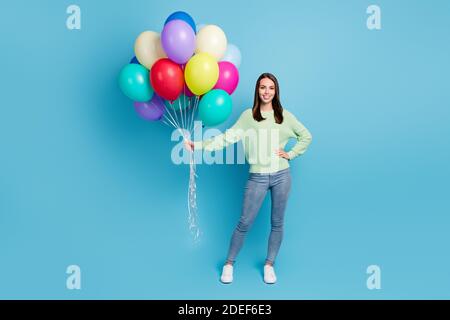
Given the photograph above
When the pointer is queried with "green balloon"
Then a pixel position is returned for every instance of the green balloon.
(135, 83)
(182, 101)
(215, 107)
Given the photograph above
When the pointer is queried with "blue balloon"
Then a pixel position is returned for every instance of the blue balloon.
(134, 60)
(134, 81)
(181, 15)
(215, 107)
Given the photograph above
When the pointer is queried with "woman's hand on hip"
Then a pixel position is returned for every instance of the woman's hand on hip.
(283, 154)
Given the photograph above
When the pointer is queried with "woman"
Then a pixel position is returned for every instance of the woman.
(266, 124)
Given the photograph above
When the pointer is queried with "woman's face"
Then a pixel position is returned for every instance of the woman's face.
(266, 90)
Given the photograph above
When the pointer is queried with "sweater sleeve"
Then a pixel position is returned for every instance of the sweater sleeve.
(231, 135)
(302, 135)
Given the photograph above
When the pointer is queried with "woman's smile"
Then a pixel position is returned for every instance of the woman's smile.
(266, 90)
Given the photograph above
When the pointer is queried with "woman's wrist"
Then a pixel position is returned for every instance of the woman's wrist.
(198, 145)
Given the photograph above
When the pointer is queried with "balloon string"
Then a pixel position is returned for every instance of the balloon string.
(170, 114)
(186, 109)
(192, 202)
(188, 113)
(195, 127)
(170, 121)
(175, 112)
(192, 187)
(166, 123)
(191, 107)
(181, 113)
(193, 114)
(174, 122)
(184, 97)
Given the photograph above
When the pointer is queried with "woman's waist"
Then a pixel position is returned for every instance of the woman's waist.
(273, 167)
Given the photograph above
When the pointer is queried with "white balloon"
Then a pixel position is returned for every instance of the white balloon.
(148, 48)
(233, 55)
(211, 39)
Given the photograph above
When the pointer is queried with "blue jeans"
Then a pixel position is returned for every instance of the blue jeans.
(279, 184)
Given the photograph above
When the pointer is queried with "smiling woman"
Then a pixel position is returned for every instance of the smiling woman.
(267, 98)
(267, 170)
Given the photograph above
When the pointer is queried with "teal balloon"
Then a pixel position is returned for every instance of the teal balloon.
(182, 101)
(215, 107)
(134, 82)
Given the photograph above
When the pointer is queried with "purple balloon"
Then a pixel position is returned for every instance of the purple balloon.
(178, 41)
(151, 110)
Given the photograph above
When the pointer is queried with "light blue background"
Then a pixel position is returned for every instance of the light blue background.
(85, 181)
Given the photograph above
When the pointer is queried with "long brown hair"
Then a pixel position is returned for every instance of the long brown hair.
(277, 107)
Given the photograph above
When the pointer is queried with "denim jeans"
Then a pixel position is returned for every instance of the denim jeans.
(279, 184)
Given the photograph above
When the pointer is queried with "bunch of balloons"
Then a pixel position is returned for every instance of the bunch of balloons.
(182, 73)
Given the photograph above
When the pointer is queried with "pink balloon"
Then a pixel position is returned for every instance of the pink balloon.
(228, 77)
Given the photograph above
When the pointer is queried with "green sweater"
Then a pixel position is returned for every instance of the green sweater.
(262, 139)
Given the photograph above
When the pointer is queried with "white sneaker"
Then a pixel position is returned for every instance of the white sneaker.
(269, 274)
(227, 274)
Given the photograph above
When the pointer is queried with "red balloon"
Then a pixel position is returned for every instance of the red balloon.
(167, 79)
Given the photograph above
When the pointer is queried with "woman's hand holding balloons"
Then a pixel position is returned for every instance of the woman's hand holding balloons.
(189, 145)
(170, 68)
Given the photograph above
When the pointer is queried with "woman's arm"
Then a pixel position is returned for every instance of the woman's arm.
(302, 135)
(231, 135)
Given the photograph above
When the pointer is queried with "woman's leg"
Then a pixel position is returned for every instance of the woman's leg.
(280, 186)
(255, 192)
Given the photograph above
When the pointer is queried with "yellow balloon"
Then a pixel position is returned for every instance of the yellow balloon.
(148, 48)
(201, 73)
